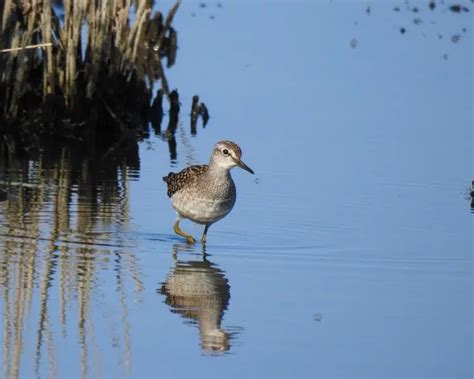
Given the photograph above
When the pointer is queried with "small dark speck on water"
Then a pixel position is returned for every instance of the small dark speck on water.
(440, 36)
(403, 30)
(415, 10)
(368, 10)
(432, 5)
(212, 17)
(445, 56)
(353, 43)
(317, 317)
(257, 180)
(471, 192)
(396, 9)
(417, 21)
(464, 30)
(203, 5)
(219, 5)
(455, 38)
(456, 8)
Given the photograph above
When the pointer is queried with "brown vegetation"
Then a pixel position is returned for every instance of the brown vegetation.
(81, 70)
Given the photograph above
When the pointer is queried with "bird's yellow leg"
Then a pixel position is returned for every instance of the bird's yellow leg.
(178, 231)
(204, 235)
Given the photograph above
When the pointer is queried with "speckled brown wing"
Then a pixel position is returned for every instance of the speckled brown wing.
(177, 181)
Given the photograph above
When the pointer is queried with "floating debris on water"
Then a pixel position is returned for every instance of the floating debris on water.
(455, 38)
(353, 43)
(317, 317)
(435, 6)
(457, 8)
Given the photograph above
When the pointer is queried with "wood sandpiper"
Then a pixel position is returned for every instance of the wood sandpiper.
(205, 194)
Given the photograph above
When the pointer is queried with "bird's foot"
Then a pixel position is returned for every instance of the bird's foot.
(178, 231)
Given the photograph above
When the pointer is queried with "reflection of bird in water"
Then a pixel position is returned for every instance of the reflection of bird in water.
(198, 290)
(3, 195)
(205, 194)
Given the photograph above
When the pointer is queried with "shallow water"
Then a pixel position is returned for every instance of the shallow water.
(348, 254)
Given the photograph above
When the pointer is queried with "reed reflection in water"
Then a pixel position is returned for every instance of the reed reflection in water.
(59, 253)
(198, 291)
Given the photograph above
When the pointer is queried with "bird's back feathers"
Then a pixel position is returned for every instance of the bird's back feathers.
(176, 181)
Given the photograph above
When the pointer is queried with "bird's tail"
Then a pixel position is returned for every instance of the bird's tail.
(168, 177)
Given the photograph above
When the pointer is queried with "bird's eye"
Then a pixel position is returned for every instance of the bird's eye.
(225, 151)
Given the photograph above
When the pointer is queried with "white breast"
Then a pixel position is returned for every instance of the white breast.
(208, 200)
(201, 209)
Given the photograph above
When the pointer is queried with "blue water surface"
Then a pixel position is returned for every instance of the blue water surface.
(348, 254)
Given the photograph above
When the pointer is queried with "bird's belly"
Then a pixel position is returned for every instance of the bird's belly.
(202, 211)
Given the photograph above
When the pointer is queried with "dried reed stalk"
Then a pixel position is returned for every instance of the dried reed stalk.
(26, 47)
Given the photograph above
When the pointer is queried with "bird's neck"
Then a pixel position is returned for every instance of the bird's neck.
(218, 173)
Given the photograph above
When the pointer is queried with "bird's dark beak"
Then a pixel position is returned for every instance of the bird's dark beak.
(244, 166)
